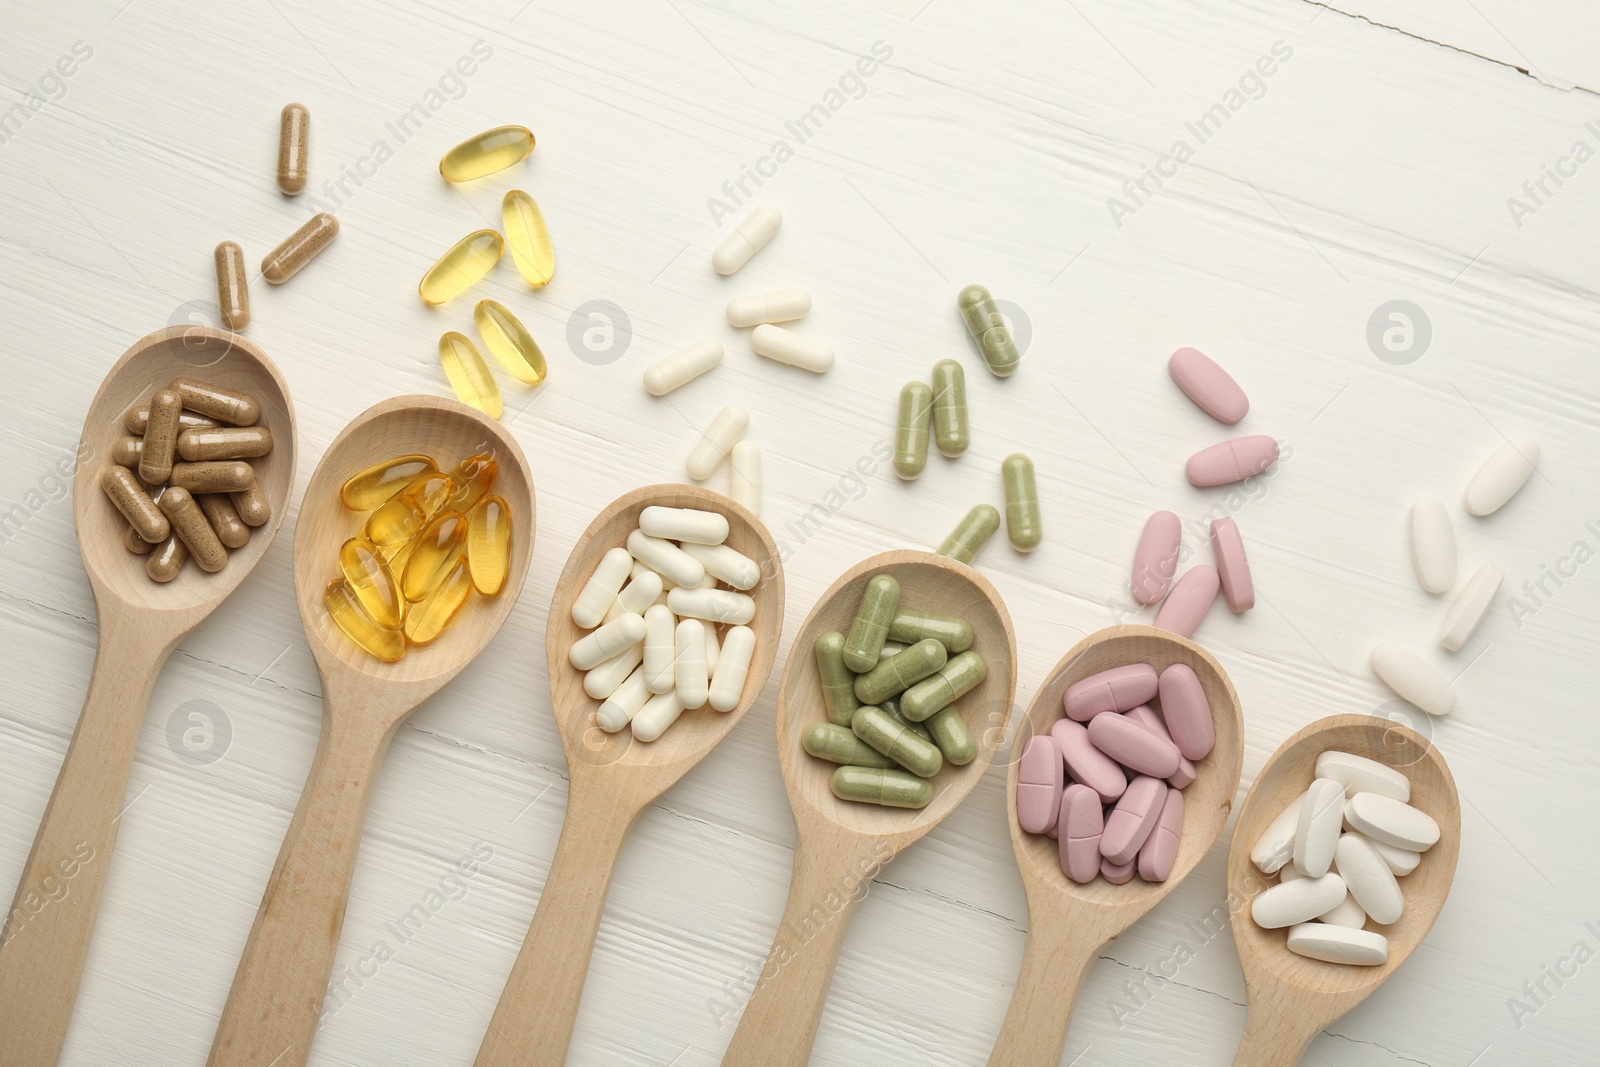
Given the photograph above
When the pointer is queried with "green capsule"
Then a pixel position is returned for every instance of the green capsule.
(900, 672)
(940, 690)
(988, 327)
(897, 741)
(879, 601)
(890, 648)
(951, 631)
(971, 534)
(950, 733)
(892, 706)
(1023, 525)
(892, 789)
(838, 684)
(838, 744)
(950, 431)
(911, 430)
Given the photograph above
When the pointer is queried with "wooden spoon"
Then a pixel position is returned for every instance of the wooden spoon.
(1291, 997)
(272, 1009)
(47, 932)
(839, 845)
(1068, 923)
(612, 779)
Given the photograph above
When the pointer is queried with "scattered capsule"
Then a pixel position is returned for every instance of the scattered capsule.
(462, 267)
(716, 440)
(911, 430)
(367, 574)
(1023, 523)
(346, 612)
(951, 631)
(897, 741)
(744, 482)
(166, 559)
(439, 545)
(294, 135)
(427, 620)
(190, 524)
(468, 375)
(224, 519)
(682, 367)
(135, 504)
(213, 401)
(486, 152)
(958, 677)
(528, 238)
(786, 346)
(300, 248)
(950, 430)
(971, 534)
(776, 305)
(160, 437)
(134, 543)
(838, 684)
(879, 600)
(874, 785)
(747, 238)
(839, 744)
(233, 286)
(473, 477)
(138, 418)
(509, 342)
(988, 328)
(127, 452)
(225, 442)
(213, 476)
(950, 733)
(900, 672)
(370, 489)
(252, 505)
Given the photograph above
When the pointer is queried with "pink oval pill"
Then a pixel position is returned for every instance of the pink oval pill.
(1039, 775)
(1116, 873)
(1211, 388)
(1188, 713)
(1185, 776)
(1146, 716)
(1189, 600)
(1079, 833)
(1155, 561)
(1133, 818)
(1160, 849)
(1088, 764)
(1232, 461)
(1118, 689)
(1232, 567)
(1136, 747)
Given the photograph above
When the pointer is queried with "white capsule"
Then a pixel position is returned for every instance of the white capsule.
(1339, 944)
(1275, 847)
(717, 605)
(744, 482)
(660, 712)
(1400, 860)
(601, 681)
(589, 609)
(1317, 833)
(784, 346)
(733, 666)
(776, 305)
(643, 589)
(1413, 678)
(1391, 822)
(1433, 545)
(726, 564)
(1466, 611)
(689, 664)
(610, 640)
(1298, 901)
(684, 524)
(721, 435)
(660, 649)
(665, 558)
(747, 238)
(713, 647)
(1346, 913)
(682, 367)
(1362, 775)
(620, 707)
(1502, 474)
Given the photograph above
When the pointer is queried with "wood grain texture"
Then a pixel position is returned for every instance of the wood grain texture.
(1376, 166)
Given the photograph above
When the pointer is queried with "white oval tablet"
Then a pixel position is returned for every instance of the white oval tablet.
(1317, 833)
(1298, 901)
(1275, 846)
(1401, 861)
(1386, 819)
(1369, 879)
(1339, 944)
(1506, 470)
(1466, 611)
(1362, 775)
(1433, 545)
(1346, 913)
(1413, 678)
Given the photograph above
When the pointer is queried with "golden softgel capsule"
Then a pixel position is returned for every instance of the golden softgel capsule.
(486, 153)
(462, 267)
(473, 477)
(439, 545)
(373, 584)
(370, 489)
(469, 375)
(294, 147)
(489, 544)
(427, 620)
(299, 248)
(509, 341)
(529, 239)
(233, 286)
(346, 612)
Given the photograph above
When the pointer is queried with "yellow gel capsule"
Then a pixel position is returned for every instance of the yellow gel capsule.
(394, 523)
(473, 477)
(509, 341)
(486, 153)
(430, 492)
(397, 555)
(371, 489)
(528, 238)
(439, 545)
(346, 612)
(489, 544)
(372, 582)
(428, 619)
(469, 375)
(468, 260)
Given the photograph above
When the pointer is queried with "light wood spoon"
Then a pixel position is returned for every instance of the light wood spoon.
(841, 846)
(1069, 923)
(47, 931)
(612, 778)
(1291, 997)
(272, 1009)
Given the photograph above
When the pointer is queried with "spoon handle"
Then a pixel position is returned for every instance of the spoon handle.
(47, 931)
(272, 1010)
(829, 881)
(1055, 960)
(533, 1021)
(1271, 1038)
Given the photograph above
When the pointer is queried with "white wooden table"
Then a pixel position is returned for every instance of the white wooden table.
(1374, 164)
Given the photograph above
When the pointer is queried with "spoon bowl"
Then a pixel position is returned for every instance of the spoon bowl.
(614, 777)
(1290, 996)
(140, 622)
(272, 1009)
(840, 844)
(1068, 922)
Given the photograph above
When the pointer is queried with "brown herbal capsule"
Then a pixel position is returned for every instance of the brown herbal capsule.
(126, 452)
(213, 401)
(225, 442)
(134, 543)
(135, 504)
(252, 506)
(178, 504)
(294, 135)
(213, 476)
(233, 286)
(139, 417)
(160, 437)
(299, 248)
(224, 519)
(164, 563)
